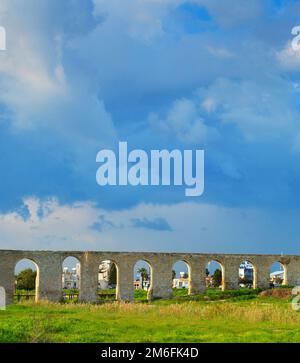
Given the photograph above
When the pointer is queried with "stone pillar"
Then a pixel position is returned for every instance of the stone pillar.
(161, 279)
(230, 274)
(7, 278)
(293, 272)
(197, 284)
(89, 267)
(49, 278)
(263, 274)
(125, 289)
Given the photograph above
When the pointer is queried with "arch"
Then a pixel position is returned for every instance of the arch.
(27, 276)
(278, 274)
(71, 278)
(108, 278)
(142, 280)
(181, 274)
(214, 272)
(247, 274)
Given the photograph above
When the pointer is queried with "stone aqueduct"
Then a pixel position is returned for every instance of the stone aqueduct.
(49, 277)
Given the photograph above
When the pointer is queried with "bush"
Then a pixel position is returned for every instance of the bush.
(217, 294)
(180, 292)
(26, 280)
(140, 294)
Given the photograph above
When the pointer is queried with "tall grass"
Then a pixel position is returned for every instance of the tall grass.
(263, 319)
(254, 311)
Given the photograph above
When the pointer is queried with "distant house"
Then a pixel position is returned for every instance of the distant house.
(246, 272)
(277, 276)
(182, 282)
(138, 284)
(71, 278)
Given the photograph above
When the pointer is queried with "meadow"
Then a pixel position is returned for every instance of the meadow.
(230, 316)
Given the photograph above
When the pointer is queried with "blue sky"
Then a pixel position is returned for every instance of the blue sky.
(218, 75)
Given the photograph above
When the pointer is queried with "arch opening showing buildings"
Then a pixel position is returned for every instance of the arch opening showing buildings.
(70, 279)
(247, 275)
(107, 280)
(214, 272)
(142, 277)
(277, 275)
(180, 278)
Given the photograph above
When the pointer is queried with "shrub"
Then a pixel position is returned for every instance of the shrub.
(26, 279)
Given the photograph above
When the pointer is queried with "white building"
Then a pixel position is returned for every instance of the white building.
(138, 284)
(182, 282)
(71, 277)
(277, 276)
(246, 271)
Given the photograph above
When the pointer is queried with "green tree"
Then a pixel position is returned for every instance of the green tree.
(112, 275)
(144, 274)
(26, 280)
(217, 278)
(173, 274)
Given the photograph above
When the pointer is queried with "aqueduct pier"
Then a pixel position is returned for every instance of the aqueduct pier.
(49, 271)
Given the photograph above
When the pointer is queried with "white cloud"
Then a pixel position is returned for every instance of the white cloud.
(220, 52)
(209, 104)
(139, 19)
(289, 58)
(233, 12)
(194, 227)
(31, 68)
(183, 121)
(261, 110)
(39, 86)
(56, 226)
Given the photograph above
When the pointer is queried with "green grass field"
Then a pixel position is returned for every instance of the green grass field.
(230, 316)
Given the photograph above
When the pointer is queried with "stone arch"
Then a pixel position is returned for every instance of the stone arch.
(23, 292)
(247, 274)
(211, 267)
(71, 277)
(142, 280)
(181, 276)
(108, 279)
(278, 274)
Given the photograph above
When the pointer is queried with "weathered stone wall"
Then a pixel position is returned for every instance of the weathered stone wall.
(49, 276)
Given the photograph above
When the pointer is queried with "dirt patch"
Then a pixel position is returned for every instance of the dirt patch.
(284, 293)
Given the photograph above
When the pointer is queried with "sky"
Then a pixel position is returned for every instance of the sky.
(217, 75)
